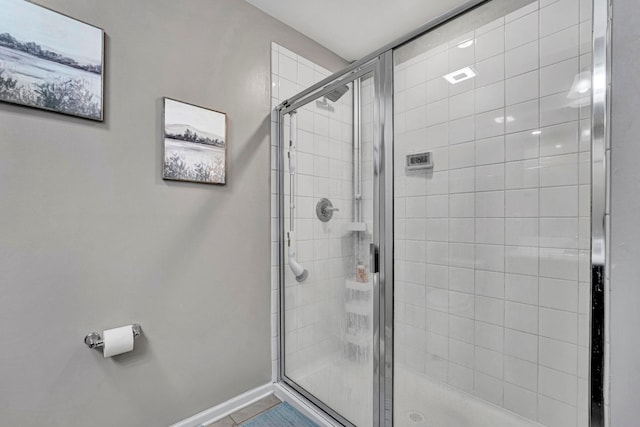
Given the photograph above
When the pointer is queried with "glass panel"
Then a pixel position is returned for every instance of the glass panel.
(492, 220)
(328, 313)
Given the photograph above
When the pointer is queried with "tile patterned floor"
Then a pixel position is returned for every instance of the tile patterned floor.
(282, 415)
(248, 412)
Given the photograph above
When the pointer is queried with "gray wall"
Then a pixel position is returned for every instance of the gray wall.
(91, 237)
(625, 215)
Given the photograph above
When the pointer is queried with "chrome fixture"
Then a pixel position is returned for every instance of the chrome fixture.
(325, 209)
(600, 81)
(94, 340)
(337, 93)
(299, 271)
(323, 104)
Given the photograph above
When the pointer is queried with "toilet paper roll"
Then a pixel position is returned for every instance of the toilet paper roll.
(117, 340)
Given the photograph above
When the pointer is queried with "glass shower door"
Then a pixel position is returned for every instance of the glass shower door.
(493, 228)
(327, 303)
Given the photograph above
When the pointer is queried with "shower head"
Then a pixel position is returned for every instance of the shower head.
(337, 93)
(299, 271)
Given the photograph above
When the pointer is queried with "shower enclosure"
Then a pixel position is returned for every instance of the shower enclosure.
(441, 209)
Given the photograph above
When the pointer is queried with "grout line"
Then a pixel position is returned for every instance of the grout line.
(504, 294)
(538, 280)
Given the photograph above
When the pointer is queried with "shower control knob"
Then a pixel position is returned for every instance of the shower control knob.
(325, 209)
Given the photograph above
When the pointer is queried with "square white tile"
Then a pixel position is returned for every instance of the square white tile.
(461, 105)
(559, 15)
(489, 230)
(521, 31)
(523, 87)
(490, 97)
(490, 177)
(490, 150)
(522, 145)
(490, 70)
(521, 203)
(523, 116)
(521, 317)
(521, 59)
(559, 325)
(559, 77)
(490, 123)
(490, 204)
(489, 284)
(521, 345)
(560, 46)
(559, 139)
(520, 372)
(521, 288)
(489, 44)
(461, 130)
(559, 201)
(559, 170)
(522, 174)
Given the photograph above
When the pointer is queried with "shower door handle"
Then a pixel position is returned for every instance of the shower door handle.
(374, 258)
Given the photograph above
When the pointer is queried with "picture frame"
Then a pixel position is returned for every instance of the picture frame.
(51, 61)
(194, 143)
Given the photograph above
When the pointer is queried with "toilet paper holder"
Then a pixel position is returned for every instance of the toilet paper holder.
(94, 340)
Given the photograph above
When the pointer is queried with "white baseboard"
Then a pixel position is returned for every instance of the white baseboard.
(209, 416)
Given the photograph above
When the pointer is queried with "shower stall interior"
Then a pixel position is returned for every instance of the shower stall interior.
(441, 224)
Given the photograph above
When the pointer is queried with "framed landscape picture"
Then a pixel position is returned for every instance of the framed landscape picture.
(194, 143)
(50, 61)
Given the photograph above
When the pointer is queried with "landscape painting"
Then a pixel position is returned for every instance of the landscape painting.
(194, 143)
(50, 61)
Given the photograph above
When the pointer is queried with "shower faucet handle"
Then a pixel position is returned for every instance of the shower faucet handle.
(325, 209)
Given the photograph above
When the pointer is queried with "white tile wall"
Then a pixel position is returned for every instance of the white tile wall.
(324, 170)
(316, 312)
(492, 246)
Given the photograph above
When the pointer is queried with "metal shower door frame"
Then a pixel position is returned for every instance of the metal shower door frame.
(383, 190)
(382, 65)
(600, 143)
(381, 69)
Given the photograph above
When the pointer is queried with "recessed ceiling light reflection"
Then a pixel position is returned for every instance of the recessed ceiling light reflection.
(536, 132)
(460, 75)
(501, 119)
(465, 43)
(558, 145)
(581, 85)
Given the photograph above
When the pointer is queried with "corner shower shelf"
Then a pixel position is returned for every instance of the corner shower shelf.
(359, 308)
(358, 316)
(361, 340)
(359, 286)
(357, 226)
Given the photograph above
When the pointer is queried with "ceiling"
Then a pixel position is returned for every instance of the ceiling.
(355, 28)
